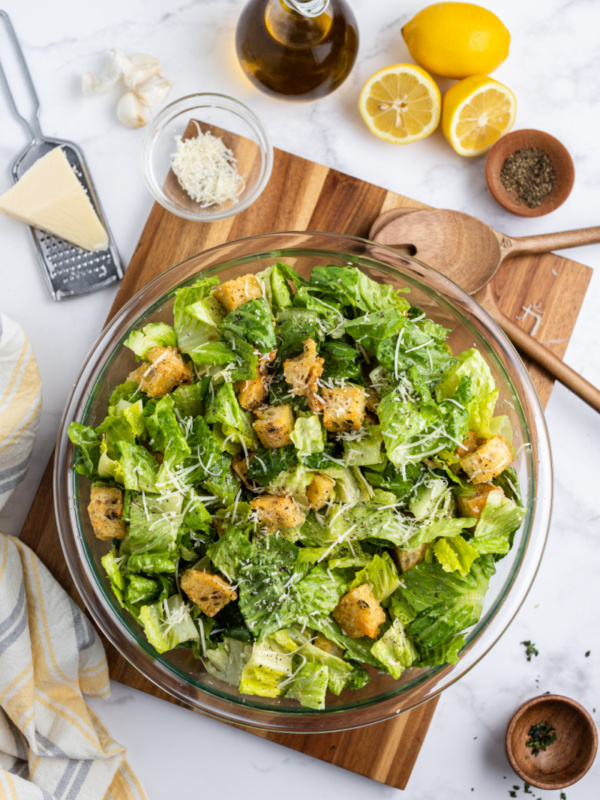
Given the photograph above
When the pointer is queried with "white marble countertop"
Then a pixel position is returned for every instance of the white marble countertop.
(553, 69)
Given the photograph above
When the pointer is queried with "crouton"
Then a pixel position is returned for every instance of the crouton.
(235, 293)
(303, 372)
(473, 505)
(468, 446)
(359, 614)
(166, 371)
(410, 558)
(251, 394)
(488, 460)
(277, 512)
(319, 491)
(344, 409)
(209, 592)
(329, 647)
(274, 425)
(106, 512)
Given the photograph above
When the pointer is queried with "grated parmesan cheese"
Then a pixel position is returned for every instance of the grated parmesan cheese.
(207, 170)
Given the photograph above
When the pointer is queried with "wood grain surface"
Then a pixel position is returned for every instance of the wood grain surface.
(302, 195)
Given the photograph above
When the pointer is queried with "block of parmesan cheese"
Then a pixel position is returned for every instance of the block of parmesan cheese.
(49, 196)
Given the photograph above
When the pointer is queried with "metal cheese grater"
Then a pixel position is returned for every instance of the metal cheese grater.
(69, 271)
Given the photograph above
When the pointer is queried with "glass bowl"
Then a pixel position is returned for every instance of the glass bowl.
(109, 363)
(241, 131)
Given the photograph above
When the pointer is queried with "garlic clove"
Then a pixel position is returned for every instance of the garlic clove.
(154, 92)
(137, 69)
(131, 111)
(92, 85)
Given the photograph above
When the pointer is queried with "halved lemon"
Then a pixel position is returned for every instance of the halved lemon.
(400, 103)
(476, 112)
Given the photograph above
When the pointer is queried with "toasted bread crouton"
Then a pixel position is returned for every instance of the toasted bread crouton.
(468, 446)
(359, 614)
(473, 505)
(106, 512)
(251, 394)
(329, 647)
(344, 409)
(319, 491)
(166, 371)
(277, 512)
(303, 372)
(210, 592)
(274, 425)
(235, 293)
(410, 558)
(488, 460)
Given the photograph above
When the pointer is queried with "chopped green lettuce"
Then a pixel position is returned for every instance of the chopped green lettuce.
(155, 334)
(496, 526)
(308, 435)
(265, 670)
(484, 394)
(395, 649)
(236, 423)
(381, 575)
(253, 322)
(309, 685)
(455, 554)
(87, 449)
(153, 522)
(168, 623)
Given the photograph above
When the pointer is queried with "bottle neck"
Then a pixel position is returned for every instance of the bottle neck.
(307, 8)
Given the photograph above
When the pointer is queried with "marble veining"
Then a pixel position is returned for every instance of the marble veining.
(553, 69)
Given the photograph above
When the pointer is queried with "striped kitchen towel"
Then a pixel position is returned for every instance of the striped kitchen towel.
(52, 746)
(20, 404)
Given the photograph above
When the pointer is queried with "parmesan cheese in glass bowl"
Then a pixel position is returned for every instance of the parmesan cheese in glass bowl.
(206, 157)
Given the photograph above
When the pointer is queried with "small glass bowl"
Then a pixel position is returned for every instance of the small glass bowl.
(241, 131)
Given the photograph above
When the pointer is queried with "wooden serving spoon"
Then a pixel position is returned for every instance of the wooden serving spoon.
(470, 252)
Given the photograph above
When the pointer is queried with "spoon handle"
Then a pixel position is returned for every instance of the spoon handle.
(546, 242)
(546, 358)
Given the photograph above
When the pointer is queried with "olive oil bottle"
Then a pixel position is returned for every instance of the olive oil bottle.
(297, 49)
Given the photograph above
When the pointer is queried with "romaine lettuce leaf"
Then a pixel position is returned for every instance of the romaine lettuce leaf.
(309, 685)
(153, 563)
(141, 590)
(446, 653)
(274, 282)
(155, 334)
(265, 670)
(165, 433)
(455, 554)
(308, 435)
(122, 395)
(154, 522)
(267, 463)
(445, 603)
(366, 451)
(227, 659)
(112, 565)
(252, 321)
(133, 466)
(230, 552)
(341, 361)
(484, 394)
(168, 623)
(87, 449)
(395, 649)
(381, 575)
(496, 526)
(236, 422)
(339, 670)
(350, 286)
(294, 327)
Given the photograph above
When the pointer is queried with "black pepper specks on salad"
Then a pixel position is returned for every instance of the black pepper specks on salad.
(301, 482)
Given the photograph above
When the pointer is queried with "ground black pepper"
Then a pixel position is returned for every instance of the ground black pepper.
(530, 174)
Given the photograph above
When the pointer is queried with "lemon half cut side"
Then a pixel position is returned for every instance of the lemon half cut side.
(476, 112)
(400, 104)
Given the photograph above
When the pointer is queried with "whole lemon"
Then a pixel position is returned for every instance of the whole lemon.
(456, 40)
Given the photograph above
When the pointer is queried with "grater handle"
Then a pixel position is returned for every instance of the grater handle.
(32, 125)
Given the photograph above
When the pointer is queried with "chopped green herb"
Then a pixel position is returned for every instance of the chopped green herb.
(588, 653)
(512, 794)
(563, 796)
(540, 736)
(530, 649)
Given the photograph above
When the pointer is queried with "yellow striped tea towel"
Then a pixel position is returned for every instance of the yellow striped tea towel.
(20, 404)
(52, 746)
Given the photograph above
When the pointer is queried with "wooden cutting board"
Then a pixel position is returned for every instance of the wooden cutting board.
(302, 195)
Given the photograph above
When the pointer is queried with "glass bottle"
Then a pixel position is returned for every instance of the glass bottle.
(298, 49)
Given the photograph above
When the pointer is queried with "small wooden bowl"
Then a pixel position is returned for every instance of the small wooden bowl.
(567, 759)
(521, 140)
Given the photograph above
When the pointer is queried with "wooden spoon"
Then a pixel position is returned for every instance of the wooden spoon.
(470, 252)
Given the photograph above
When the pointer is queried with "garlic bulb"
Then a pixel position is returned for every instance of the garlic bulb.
(141, 75)
(137, 69)
(131, 111)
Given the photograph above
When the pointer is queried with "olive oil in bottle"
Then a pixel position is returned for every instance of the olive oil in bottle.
(297, 49)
